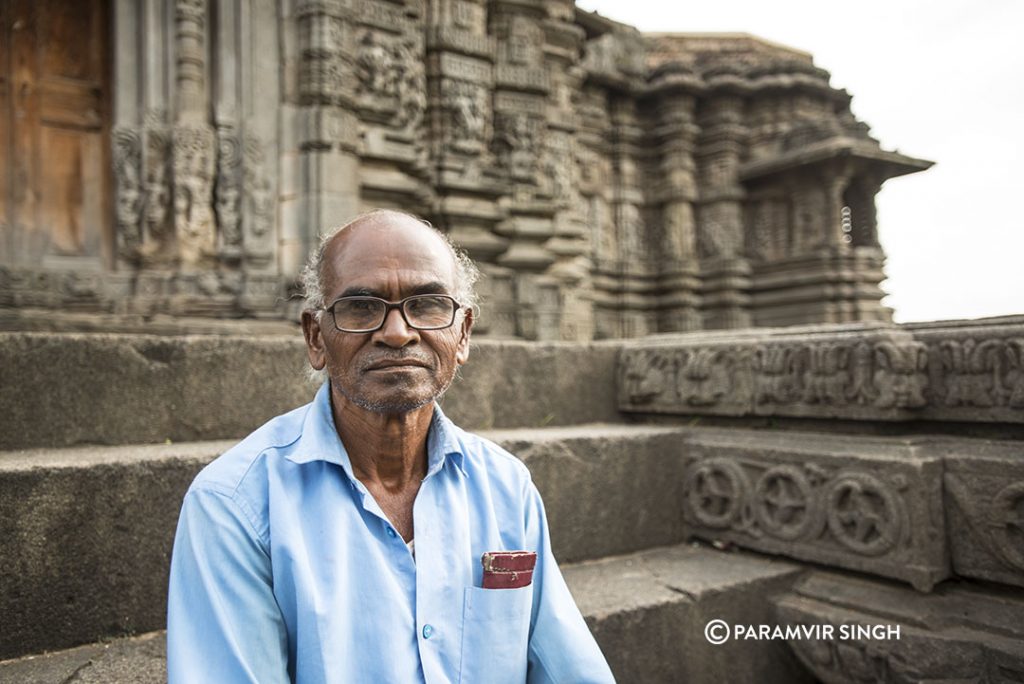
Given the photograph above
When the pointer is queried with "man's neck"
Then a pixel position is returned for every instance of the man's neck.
(386, 450)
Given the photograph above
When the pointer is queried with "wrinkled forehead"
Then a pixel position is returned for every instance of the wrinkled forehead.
(392, 256)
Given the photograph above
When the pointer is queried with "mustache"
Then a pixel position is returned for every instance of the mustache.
(401, 357)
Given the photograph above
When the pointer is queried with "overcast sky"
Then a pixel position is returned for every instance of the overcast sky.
(940, 80)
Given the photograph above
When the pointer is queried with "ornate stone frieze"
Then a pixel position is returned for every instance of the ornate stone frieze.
(880, 374)
(866, 504)
(844, 630)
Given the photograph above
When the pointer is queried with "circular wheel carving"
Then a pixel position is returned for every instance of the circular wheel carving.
(715, 490)
(1007, 520)
(863, 514)
(783, 502)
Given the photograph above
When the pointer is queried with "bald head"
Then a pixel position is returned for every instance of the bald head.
(378, 232)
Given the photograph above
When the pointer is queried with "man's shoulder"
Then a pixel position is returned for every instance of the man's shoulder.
(482, 455)
(238, 465)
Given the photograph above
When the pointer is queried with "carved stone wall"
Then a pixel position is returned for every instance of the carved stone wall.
(610, 183)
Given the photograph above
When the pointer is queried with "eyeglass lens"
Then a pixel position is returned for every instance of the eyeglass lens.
(367, 313)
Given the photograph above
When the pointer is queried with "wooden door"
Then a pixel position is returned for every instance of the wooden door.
(54, 150)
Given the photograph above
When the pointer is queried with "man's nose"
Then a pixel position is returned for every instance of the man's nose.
(396, 332)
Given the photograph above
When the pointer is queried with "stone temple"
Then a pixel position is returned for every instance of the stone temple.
(682, 332)
(181, 157)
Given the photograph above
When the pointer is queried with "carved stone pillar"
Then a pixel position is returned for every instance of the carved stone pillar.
(725, 273)
(321, 184)
(460, 119)
(522, 85)
(677, 189)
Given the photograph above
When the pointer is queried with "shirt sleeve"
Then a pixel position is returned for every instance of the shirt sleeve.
(223, 622)
(561, 649)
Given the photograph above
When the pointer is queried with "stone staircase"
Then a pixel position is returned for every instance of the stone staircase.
(676, 493)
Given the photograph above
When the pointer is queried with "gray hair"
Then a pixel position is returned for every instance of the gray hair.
(313, 280)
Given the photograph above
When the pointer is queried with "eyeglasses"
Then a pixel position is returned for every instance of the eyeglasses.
(367, 314)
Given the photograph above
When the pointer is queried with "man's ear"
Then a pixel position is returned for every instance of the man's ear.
(313, 333)
(466, 328)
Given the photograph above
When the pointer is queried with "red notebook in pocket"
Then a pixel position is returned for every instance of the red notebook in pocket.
(508, 569)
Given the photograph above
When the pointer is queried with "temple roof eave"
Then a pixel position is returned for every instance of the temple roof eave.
(891, 163)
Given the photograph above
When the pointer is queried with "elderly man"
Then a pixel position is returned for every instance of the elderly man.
(342, 542)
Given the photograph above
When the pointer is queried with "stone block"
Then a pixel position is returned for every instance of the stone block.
(607, 489)
(984, 502)
(958, 634)
(648, 612)
(85, 541)
(519, 384)
(868, 504)
(68, 389)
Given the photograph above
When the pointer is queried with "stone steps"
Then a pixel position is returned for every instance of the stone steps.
(647, 610)
(86, 533)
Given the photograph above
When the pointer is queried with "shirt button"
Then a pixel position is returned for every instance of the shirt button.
(391, 532)
(427, 631)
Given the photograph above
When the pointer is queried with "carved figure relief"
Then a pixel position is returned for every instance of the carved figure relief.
(158, 182)
(826, 379)
(127, 156)
(983, 374)
(516, 138)
(389, 67)
(227, 191)
(259, 194)
(193, 190)
(899, 374)
(703, 377)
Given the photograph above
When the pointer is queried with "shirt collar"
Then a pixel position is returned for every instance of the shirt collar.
(319, 440)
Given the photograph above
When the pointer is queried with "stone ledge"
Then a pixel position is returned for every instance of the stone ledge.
(958, 634)
(59, 390)
(86, 533)
(647, 611)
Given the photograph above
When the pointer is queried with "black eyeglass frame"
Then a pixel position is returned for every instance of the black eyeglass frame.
(389, 306)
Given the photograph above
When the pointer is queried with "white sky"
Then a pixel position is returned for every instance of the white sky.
(940, 80)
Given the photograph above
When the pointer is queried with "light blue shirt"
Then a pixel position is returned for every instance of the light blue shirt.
(286, 569)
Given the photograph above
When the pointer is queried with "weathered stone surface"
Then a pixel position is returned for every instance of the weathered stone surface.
(984, 504)
(122, 389)
(868, 504)
(971, 373)
(648, 612)
(509, 384)
(607, 489)
(86, 533)
(85, 540)
(958, 634)
(135, 660)
(68, 389)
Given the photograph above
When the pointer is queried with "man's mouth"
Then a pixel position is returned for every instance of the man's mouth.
(403, 364)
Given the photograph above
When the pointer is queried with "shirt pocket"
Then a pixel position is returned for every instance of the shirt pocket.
(495, 635)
